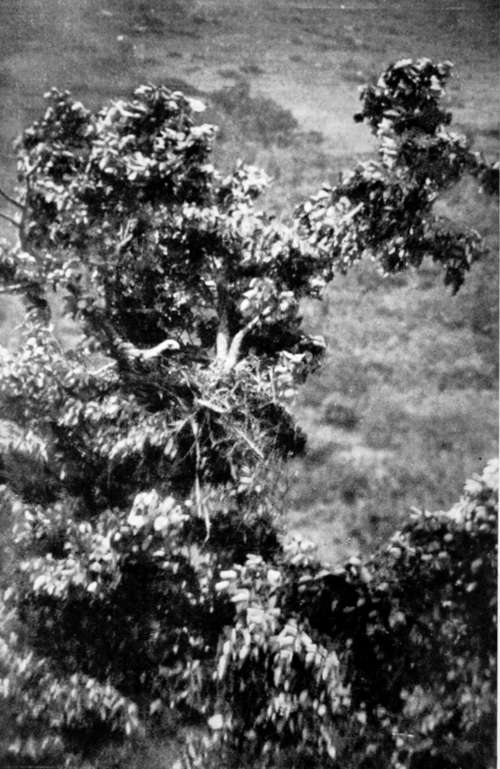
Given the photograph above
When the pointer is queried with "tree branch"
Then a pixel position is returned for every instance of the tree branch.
(22, 224)
(250, 443)
(102, 369)
(9, 219)
(14, 288)
(10, 199)
(221, 345)
(222, 339)
(233, 354)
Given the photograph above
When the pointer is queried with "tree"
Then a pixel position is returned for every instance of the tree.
(153, 445)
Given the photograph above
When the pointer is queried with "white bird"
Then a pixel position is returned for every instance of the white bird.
(131, 351)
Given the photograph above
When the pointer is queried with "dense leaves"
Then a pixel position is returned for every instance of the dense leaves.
(143, 471)
(389, 204)
(127, 216)
(388, 663)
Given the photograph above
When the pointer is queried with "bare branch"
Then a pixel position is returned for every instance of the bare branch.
(102, 369)
(221, 345)
(15, 287)
(211, 406)
(10, 199)
(235, 347)
(222, 340)
(9, 219)
(250, 443)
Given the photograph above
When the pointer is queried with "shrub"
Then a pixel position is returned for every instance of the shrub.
(258, 118)
(340, 412)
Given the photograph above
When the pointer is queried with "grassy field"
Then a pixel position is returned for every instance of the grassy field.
(405, 407)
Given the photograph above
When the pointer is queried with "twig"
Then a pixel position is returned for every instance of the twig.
(11, 200)
(102, 369)
(128, 235)
(211, 406)
(16, 287)
(9, 219)
(252, 445)
(352, 213)
(27, 177)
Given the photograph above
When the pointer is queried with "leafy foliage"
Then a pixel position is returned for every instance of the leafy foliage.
(391, 663)
(155, 443)
(391, 202)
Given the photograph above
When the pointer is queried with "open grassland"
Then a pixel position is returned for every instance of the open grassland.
(405, 407)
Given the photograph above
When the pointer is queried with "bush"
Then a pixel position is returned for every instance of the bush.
(257, 118)
(340, 412)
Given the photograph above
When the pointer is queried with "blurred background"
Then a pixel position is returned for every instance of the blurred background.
(405, 407)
